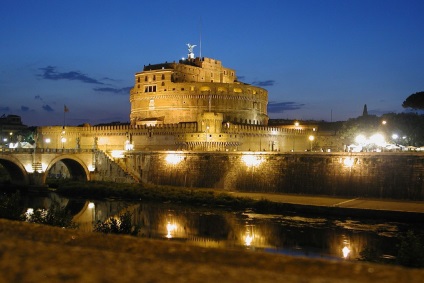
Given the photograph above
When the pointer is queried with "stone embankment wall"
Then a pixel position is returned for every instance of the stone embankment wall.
(379, 175)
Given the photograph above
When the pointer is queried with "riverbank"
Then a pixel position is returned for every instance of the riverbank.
(38, 253)
(395, 210)
(387, 209)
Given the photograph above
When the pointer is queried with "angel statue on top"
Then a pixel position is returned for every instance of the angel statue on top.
(190, 50)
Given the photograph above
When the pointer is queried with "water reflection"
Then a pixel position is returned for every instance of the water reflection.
(287, 234)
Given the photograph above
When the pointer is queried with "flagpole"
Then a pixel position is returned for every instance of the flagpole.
(64, 113)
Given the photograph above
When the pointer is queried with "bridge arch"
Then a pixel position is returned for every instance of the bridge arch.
(15, 169)
(76, 167)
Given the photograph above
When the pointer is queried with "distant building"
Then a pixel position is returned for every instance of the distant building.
(10, 126)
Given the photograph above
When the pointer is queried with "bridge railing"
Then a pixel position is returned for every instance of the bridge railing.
(45, 150)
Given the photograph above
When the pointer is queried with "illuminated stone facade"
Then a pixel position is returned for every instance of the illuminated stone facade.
(196, 105)
(170, 93)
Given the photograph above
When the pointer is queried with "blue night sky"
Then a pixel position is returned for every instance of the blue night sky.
(318, 60)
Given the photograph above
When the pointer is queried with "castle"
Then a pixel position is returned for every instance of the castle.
(196, 104)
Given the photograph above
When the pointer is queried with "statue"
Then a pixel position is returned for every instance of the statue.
(190, 47)
(190, 50)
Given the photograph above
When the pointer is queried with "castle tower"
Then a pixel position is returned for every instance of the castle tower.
(170, 93)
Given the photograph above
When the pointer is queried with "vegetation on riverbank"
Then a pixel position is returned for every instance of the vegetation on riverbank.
(135, 192)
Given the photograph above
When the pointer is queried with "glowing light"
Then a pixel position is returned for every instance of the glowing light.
(311, 138)
(170, 228)
(348, 162)
(173, 158)
(252, 160)
(378, 139)
(128, 145)
(296, 124)
(248, 239)
(384, 122)
(63, 139)
(361, 139)
(395, 136)
(43, 167)
(29, 168)
(117, 153)
(47, 140)
(345, 252)
(91, 205)
(91, 168)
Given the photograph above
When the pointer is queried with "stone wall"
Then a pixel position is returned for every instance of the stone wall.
(382, 175)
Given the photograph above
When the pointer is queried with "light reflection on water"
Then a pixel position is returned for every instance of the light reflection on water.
(296, 235)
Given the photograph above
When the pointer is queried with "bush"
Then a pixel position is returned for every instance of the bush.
(10, 207)
(54, 216)
(122, 225)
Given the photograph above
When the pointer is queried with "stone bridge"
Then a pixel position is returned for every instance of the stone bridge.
(31, 166)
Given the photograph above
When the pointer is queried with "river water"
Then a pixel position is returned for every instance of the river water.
(319, 237)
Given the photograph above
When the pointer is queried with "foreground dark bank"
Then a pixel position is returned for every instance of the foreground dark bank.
(39, 253)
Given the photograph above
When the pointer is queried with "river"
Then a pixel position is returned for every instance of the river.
(319, 237)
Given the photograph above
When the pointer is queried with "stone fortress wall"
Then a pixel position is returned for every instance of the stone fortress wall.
(372, 175)
(207, 135)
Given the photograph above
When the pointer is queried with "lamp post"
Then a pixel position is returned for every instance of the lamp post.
(63, 140)
(311, 138)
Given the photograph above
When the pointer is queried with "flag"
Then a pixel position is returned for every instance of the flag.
(65, 109)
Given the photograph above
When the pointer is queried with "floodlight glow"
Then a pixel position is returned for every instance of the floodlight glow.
(29, 168)
(248, 239)
(48, 140)
(117, 153)
(252, 160)
(345, 252)
(348, 162)
(311, 138)
(377, 139)
(91, 168)
(63, 139)
(170, 228)
(91, 205)
(361, 139)
(44, 167)
(395, 136)
(173, 158)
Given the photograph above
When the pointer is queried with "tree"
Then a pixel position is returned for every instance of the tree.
(414, 101)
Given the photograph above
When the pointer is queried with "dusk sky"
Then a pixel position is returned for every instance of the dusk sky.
(319, 60)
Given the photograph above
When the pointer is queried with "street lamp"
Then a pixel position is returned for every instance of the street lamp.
(63, 140)
(47, 142)
(311, 138)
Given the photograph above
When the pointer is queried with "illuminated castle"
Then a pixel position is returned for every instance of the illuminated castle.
(195, 104)
(170, 93)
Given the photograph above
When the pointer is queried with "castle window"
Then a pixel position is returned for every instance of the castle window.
(145, 78)
(138, 79)
(182, 89)
(163, 83)
(150, 88)
(154, 77)
(163, 76)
